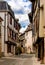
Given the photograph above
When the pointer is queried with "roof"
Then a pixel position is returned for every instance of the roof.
(5, 7)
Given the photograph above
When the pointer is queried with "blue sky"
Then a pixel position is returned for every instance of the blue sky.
(21, 9)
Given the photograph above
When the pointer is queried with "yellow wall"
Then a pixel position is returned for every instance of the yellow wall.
(42, 19)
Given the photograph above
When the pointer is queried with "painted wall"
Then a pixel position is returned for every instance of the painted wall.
(28, 44)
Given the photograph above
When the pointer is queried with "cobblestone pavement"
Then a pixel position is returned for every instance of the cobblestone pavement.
(23, 59)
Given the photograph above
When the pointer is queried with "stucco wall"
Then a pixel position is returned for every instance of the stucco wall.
(28, 38)
(2, 32)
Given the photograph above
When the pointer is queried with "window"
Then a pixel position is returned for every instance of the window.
(8, 32)
(0, 31)
(2, 5)
(14, 23)
(15, 36)
(10, 20)
(16, 26)
(12, 34)
(36, 25)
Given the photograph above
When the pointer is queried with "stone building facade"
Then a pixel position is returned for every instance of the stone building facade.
(22, 42)
(38, 21)
(28, 38)
(9, 29)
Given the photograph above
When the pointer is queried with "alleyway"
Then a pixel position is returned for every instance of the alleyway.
(23, 59)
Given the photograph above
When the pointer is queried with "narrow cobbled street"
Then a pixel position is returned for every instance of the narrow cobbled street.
(24, 59)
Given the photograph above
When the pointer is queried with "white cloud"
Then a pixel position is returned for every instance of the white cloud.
(24, 21)
(27, 10)
(22, 17)
(19, 4)
(14, 5)
(22, 30)
(24, 3)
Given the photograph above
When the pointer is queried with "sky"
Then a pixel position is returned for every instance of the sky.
(21, 9)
